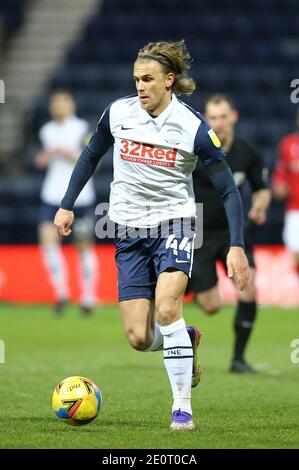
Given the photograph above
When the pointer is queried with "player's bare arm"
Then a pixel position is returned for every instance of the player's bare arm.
(237, 266)
(42, 160)
(63, 222)
(260, 203)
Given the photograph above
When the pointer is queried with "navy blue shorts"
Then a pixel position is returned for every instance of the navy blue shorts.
(140, 259)
(84, 223)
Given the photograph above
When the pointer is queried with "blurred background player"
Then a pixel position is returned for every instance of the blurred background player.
(62, 140)
(246, 164)
(286, 187)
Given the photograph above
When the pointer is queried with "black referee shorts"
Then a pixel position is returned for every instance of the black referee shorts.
(215, 247)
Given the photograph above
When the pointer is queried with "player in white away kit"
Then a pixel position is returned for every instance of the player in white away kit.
(63, 139)
(157, 139)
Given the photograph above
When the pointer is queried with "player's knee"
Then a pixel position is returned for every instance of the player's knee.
(138, 340)
(247, 298)
(210, 307)
(166, 312)
(248, 295)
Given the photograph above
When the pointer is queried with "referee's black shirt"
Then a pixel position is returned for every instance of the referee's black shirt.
(246, 164)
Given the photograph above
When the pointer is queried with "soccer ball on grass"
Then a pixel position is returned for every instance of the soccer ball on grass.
(76, 400)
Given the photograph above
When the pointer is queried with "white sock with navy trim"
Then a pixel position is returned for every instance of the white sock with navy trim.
(178, 360)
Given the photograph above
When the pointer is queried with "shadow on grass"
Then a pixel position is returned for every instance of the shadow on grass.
(136, 367)
(49, 424)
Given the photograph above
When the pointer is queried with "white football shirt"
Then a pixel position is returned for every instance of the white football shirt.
(153, 160)
(68, 134)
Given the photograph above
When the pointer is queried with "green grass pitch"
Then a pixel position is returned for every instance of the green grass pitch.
(231, 411)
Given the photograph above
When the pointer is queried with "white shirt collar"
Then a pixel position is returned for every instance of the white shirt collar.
(159, 120)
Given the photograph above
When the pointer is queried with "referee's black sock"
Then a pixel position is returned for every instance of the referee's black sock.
(243, 324)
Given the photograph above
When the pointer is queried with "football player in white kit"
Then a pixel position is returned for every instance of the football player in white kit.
(157, 139)
(62, 140)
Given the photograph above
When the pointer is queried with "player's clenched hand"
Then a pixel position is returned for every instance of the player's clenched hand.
(63, 221)
(257, 215)
(237, 266)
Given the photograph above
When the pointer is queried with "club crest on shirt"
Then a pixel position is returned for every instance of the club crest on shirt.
(214, 138)
(173, 136)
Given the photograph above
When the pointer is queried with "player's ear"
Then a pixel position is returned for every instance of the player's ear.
(170, 78)
(235, 116)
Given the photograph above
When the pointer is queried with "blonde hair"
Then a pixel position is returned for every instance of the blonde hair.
(175, 58)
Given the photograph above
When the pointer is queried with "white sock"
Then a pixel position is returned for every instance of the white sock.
(178, 360)
(157, 344)
(55, 263)
(89, 277)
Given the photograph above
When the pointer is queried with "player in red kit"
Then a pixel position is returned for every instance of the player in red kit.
(286, 186)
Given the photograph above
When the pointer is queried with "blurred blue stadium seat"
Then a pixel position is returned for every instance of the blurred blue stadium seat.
(11, 12)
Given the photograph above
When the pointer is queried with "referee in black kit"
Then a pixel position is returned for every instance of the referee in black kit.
(246, 164)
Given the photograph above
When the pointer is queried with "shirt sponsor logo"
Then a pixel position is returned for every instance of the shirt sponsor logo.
(147, 154)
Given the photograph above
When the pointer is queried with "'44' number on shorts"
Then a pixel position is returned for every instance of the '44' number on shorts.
(184, 245)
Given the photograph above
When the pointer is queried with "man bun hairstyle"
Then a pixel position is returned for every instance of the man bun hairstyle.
(174, 58)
